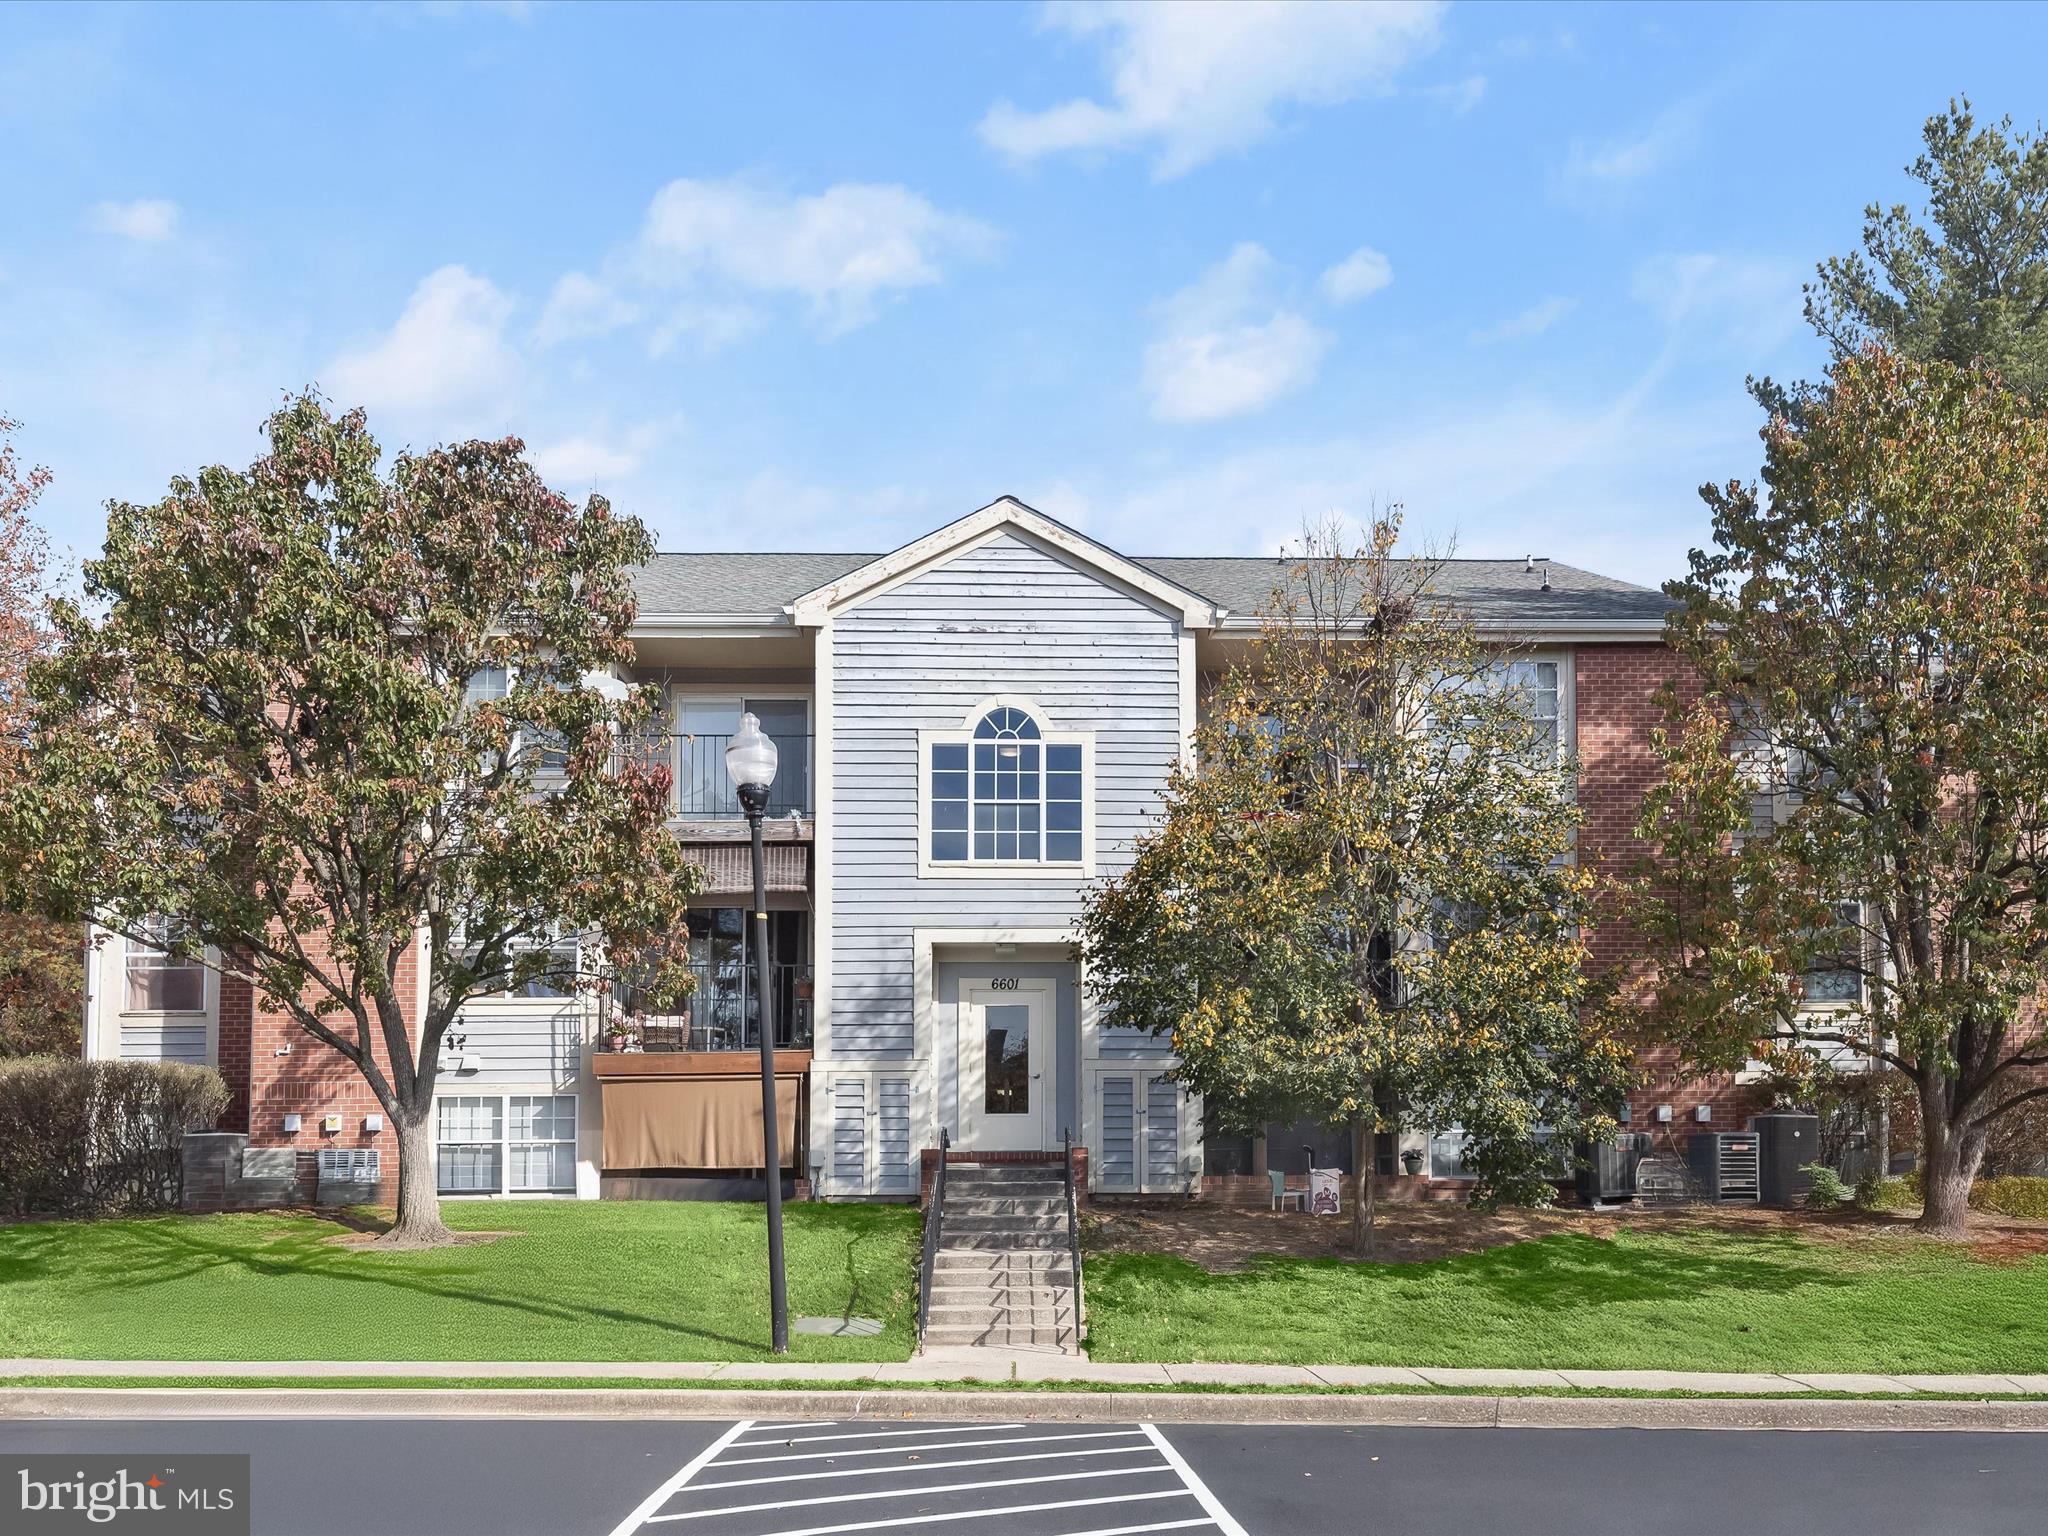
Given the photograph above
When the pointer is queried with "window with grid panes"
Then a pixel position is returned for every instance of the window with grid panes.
(1006, 795)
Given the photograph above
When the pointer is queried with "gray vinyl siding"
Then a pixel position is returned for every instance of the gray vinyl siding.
(180, 1040)
(519, 1042)
(1005, 618)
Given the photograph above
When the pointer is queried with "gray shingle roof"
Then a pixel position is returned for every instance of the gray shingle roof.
(761, 584)
(1484, 589)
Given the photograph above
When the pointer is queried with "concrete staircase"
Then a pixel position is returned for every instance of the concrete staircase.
(1003, 1276)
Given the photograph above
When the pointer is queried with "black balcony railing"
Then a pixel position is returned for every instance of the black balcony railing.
(720, 1013)
(704, 790)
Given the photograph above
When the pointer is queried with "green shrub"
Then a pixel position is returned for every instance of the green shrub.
(1828, 1192)
(2012, 1196)
(86, 1137)
(1889, 1195)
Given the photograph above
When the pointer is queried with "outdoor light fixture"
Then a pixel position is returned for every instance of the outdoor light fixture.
(750, 762)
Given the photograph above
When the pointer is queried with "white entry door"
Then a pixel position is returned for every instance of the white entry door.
(1006, 1065)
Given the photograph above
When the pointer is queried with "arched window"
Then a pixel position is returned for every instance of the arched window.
(1005, 792)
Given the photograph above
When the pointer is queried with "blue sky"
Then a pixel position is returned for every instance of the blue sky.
(826, 278)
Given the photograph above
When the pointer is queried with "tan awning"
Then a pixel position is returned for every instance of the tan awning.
(704, 1122)
(729, 867)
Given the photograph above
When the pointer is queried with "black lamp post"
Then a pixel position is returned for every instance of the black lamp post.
(750, 760)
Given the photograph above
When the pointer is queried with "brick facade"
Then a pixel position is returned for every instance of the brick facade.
(1616, 688)
(289, 1072)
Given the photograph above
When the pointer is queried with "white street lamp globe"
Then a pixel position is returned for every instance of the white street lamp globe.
(750, 755)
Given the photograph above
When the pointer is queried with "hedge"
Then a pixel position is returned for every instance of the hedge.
(2011, 1196)
(81, 1138)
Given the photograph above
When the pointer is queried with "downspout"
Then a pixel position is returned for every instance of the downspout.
(92, 993)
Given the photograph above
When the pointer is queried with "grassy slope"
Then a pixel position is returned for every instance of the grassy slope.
(585, 1280)
(1686, 1301)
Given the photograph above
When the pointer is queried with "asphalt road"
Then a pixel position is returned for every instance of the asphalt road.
(408, 1477)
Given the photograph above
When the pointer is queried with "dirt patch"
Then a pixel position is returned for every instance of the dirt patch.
(1222, 1239)
(457, 1240)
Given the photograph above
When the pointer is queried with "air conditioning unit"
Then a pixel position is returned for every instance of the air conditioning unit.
(1724, 1166)
(1607, 1170)
(348, 1175)
(1787, 1143)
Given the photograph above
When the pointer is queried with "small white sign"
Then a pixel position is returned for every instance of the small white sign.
(1322, 1191)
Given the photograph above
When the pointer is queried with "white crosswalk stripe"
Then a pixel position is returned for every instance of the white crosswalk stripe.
(834, 1481)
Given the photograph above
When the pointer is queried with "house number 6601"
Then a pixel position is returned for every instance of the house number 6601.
(1003, 984)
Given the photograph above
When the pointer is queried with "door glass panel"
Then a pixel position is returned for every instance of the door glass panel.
(1007, 1078)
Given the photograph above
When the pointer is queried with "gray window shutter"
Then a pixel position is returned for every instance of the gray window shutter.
(893, 1175)
(849, 1135)
(1162, 1134)
(1119, 1167)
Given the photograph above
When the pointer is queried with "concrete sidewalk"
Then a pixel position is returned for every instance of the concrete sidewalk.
(984, 1365)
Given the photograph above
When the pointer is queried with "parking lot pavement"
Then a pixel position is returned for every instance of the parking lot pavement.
(823, 1479)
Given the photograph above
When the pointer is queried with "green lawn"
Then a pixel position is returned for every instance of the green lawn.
(581, 1280)
(1693, 1300)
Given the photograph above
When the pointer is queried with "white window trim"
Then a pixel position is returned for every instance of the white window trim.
(737, 696)
(1008, 869)
(1567, 694)
(131, 946)
(505, 1094)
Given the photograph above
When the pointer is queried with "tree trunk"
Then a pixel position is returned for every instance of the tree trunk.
(419, 1222)
(1949, 1158)
(1366, 1184)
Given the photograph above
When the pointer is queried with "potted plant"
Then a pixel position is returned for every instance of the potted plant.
(1411, 1162)
(624, 1035)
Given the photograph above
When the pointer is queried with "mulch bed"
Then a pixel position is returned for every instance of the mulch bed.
(1222, 1239)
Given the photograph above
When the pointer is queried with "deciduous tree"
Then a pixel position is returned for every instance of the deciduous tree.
(1872, 628)
(42, 971)
(1359, 905)
(261, 721)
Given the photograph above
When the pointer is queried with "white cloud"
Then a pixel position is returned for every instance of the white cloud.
(1745, 302)
(591, 458)
(581, 307)
(150, 220)
(1593, 169)
(1190, 80)
(447, 351)
(1227, 346)
(1365, 271)
(842, 250)
(1460, 96)
(1533, 321)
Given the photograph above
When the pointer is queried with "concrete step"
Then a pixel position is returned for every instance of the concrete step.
(1018, 1177)
(1004, 1205)
(1001, 1261)
(1006, 1296)
(1061, 1340)
(968, 1317)
(1008, 1242)
(951, 1223)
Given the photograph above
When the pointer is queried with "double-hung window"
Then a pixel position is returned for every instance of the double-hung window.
(520, 1144)
(1535, 686)
(1005, 792)
(158, 980)
(1835, 978)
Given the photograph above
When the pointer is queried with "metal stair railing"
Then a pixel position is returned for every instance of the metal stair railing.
(934, 1214)
(1073, 1225)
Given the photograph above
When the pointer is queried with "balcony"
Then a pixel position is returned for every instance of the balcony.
(721, 1013)
(703, 791)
